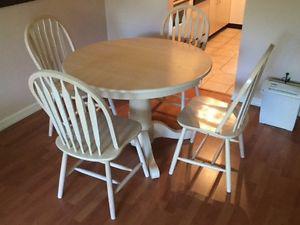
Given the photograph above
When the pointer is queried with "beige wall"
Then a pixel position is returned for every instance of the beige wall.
(237, 11)
(270, 21)
(84, 19)
(130, 18)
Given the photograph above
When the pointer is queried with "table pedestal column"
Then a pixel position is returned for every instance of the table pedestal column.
(140, 110)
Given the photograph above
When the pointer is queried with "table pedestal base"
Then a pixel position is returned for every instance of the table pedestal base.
(162, 130)
(140, 110)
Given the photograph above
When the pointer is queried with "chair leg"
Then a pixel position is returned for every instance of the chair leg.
(110, 192)
(177, 151)
(192, 140)
(182, 100)
(241, 145)
(62, 175)
(112, 106)
(50, 131)
(228, 165)
(141, 157)
(197, 92)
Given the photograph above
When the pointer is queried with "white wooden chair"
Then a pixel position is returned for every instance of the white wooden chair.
(190, 25)
(48, 44)
(87, 130)
(221, 120)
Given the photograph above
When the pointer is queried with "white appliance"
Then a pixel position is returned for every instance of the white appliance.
(280, 104)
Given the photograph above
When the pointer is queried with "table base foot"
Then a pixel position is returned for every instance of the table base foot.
(162, 130)
(147, 148)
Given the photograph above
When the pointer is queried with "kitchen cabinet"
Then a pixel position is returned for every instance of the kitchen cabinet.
(218, 11)
(219, 14)
(204, 6)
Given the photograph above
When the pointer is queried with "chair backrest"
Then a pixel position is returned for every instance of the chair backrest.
(245, 95)
(75, 119)
(48, 43)
(187, 24)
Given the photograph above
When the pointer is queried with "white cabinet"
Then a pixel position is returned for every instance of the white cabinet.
(237, 11)
(218, 11)
(219, 14)
(205, 5)
(280, 105)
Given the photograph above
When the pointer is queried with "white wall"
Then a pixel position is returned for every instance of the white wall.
(237, 11)
(85, 21)
(270, 21)
(130, 18)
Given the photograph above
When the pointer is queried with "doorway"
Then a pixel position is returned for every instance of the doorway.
(226, 21)
(224, 50)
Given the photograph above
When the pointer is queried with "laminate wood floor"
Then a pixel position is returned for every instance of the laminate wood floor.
(266, 185)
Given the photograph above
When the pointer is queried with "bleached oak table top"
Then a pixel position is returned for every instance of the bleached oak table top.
(139, 68)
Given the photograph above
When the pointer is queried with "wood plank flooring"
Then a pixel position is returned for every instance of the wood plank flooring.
(266, 185)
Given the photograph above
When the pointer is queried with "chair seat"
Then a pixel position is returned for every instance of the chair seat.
(126, 130)
(204, 114)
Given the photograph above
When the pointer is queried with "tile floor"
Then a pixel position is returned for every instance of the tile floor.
(224, 50)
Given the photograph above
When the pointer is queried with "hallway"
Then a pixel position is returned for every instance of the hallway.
(224, 50)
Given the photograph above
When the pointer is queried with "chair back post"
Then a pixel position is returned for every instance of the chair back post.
(187, 24)
(48, 43)
(75, 119)
(246, 94)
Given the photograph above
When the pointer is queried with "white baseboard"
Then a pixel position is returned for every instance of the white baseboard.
(16, 117)
(27, 111)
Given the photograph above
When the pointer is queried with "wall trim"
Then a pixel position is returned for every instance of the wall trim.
(235, 26)
(229, 25)
(257, 102)
(27, 111)
(16, 117)
(217, 32)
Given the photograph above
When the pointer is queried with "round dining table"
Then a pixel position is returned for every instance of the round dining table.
(138, 70)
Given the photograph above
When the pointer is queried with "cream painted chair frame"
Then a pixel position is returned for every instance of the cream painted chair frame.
(180, 25)
(87, 130)
(245, 96)
(48, 44)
